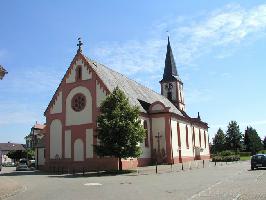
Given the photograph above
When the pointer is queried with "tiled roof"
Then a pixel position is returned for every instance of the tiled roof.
(11, 146)
(39, 126)
(133, 90)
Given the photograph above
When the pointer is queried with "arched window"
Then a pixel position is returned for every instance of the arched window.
(187, 137)
(146, 132)
(79, 73)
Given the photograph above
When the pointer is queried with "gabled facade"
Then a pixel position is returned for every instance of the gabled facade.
(172, 136)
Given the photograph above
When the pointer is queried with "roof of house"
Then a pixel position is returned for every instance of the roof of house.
(39, 126)
(133, 90)
(11, 146)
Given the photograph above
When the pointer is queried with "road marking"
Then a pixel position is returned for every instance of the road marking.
(92, 184)
(237, 196)
(201, 192)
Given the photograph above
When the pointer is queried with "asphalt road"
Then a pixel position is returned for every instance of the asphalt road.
(234, 181)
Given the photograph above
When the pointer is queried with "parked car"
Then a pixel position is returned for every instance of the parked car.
(0, 167)
(258, 160)
(31, 163)
(22, 165)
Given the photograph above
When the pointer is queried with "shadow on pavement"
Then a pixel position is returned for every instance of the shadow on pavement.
(76, 175)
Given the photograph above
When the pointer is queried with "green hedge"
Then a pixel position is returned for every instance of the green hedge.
(225, 156)
(244, 154)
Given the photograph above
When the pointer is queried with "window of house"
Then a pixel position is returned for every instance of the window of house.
(199, 138)
(78, 102)
(205, 139)
(169, 95)
(187, 137)
(146, 132)
(79, 73)
(193, 137)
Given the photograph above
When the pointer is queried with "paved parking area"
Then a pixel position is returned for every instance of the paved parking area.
(234, 181)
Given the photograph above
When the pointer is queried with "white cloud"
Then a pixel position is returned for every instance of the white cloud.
(224, 29)
(33, 80)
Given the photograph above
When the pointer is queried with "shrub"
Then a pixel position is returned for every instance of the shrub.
(225, 156)
(244, 154)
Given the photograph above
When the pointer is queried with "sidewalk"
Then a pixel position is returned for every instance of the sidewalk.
(191, 165)
(8, 187)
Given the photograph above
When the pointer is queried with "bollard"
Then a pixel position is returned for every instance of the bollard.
(215, 163)
(182, 167)
(203, 163)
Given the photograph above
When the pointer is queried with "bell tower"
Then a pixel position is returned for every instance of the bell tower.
(171, 84)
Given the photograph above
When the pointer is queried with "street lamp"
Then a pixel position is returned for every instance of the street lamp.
(3, 72)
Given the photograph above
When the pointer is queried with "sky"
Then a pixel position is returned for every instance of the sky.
(219, 49)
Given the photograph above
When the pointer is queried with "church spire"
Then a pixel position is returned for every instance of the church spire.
(171, 84)
(170, 72)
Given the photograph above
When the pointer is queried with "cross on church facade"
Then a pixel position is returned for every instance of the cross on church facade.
(79, 45)
(158, 136)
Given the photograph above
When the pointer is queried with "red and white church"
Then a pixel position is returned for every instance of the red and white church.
(71, 128)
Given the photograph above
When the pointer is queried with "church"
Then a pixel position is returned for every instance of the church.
(172, 136)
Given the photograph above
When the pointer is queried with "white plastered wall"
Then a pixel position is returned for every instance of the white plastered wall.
(41, 159)
(82, 117)
(89, 143)
(57, 106)
(68, 144)
(188, 152)
(174, 137)
(180, 94)
(157, 107)
(100, 94)
(158, 125)
(56, 139)
(197, 144)
(146, 151)
(78, 150)
(86, 75)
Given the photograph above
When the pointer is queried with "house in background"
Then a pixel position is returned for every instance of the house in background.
(172, 136)
(5, 148)
(35, 140)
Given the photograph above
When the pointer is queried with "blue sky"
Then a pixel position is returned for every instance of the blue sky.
(219, 48)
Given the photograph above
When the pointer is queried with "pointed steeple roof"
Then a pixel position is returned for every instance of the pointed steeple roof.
(170, 71)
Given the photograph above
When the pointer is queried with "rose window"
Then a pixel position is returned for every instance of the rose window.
(78, 102)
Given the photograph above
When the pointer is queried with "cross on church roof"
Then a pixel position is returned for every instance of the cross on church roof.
(79, 45)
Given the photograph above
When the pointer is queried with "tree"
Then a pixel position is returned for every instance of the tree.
(264, 142)
(233, 137)
(120, 131)
(18, 154)
(219, 141)
(252, 140)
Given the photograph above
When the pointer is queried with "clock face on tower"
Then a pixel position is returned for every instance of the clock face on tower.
(78, 102)
(169, 87)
